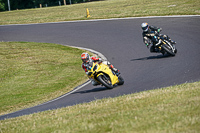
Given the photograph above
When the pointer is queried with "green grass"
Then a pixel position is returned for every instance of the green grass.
(32, 73)
(101, 10)
(173, 109)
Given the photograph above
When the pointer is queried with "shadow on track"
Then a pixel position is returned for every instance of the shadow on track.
(152, 57)
(92, 90)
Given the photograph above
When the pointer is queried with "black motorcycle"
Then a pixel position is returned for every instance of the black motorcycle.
(163, 45)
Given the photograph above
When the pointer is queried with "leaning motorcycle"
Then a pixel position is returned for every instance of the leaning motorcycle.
(104, 75)
(164, 46)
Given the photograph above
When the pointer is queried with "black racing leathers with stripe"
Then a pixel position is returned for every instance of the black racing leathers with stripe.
(147, 36)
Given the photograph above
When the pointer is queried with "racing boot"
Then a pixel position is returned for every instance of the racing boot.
(173, 42)
(169, 39)
(94, 83)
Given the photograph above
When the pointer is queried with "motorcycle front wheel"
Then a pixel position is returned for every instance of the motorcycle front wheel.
(105, 81)
(169, 51)
(121, 80)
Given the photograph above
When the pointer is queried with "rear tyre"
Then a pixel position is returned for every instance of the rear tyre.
(105, 81)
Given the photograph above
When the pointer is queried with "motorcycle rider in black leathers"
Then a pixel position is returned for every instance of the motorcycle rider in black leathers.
(149, 32)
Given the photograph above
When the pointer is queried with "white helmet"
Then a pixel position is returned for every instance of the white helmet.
(145, 27)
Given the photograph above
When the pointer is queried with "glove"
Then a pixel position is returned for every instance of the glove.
(147, 45)
(159, 30)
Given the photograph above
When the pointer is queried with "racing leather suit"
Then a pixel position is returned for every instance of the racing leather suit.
(148, 36)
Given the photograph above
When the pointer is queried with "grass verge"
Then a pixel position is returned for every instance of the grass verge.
(32, 73)
(172, 109)
(102, 10)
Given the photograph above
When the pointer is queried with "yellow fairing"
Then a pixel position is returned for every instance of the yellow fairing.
(100, 69)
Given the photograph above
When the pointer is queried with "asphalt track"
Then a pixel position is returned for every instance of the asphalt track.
(120, 40)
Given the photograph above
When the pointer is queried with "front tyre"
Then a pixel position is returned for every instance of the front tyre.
(175, 51)
(121, 80)
(105, 81)
(169, 51)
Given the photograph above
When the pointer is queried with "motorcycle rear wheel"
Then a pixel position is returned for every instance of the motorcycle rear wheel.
(105, 81)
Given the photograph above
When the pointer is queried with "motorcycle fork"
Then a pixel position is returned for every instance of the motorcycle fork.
(169, 45)
(107, 79)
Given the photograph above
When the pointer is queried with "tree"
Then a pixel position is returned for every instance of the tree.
(21, 4)
(2, 5)
(25, 4)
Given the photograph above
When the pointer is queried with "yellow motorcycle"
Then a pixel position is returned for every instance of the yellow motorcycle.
(104, 75)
